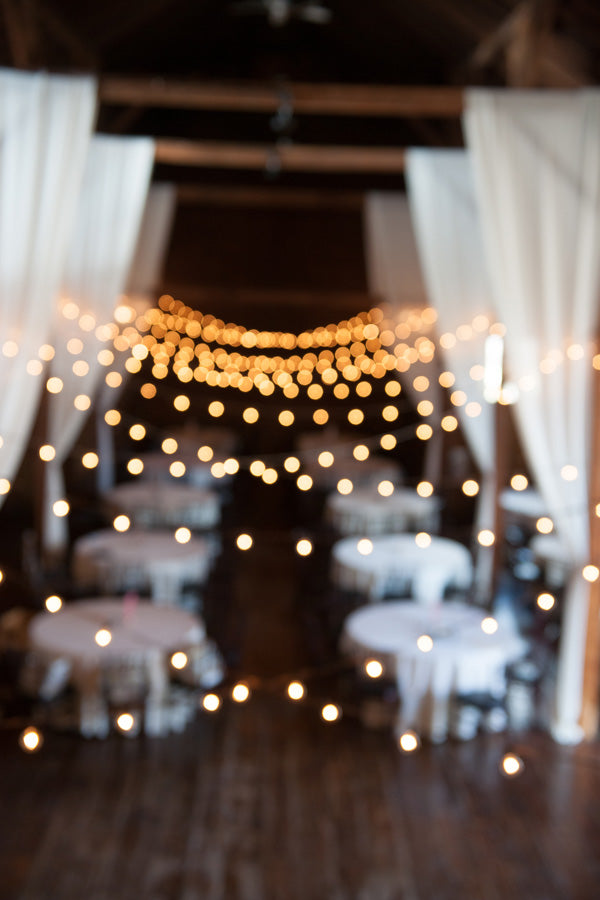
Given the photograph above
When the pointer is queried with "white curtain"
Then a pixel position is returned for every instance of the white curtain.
(536, 158)
(143, 280)
(102, 244)
(45, 128)
(445, 217)
(394, 276)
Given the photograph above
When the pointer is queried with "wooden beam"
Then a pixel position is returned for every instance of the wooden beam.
(268, 197)
(591, 668)
(307, 99)
(282, 157)
(20, 31)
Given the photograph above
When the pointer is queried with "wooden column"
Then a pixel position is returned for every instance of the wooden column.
(591, 671)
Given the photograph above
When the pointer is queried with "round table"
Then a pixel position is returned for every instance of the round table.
(163, 504)
(142, 638)
(365, 511)
(362, 473)
(463, 659)
(138, 560)
(396, 564)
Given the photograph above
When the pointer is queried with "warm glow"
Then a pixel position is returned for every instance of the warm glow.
(569, 473)
(54, 385)
(47, 452)
(231, 466)
(423, 540)
(424, 432)
(489, 625)
(4, 485)
(364, 546)
(60, 508)
(304, 547)
(544, 525)
(446, 379)
(103, 637)
(169, 445)
(425, 407)
(82, 402)
(320, 417)
(424, 489)
(182, 403)
(179, 660)
(183, 535)
(286, 418)
(244, 541)
(217, 470)
(458, 398)
(90, 460)
(114, 379)
(344, 486)
(211, 702)
(519, 482)
(205, 453)
(177, 469)
(425, 643)
(408, 742)
(135, 466)
(295, 690)
(486, 537)
(112, 417)
(304, 482)
(80, 368)
(53, 603)
(385, 488)
(270, 476)
(373, 668)
(421, 383)
(470, 488)
(216, 408)
(511, 765)
(356, 416)
(449, 423)
(590, 573)
(325, 459)
(291, 464)
(125, 721)
(392, 388)
(121, 523)
(330, 712)
(361, 452)
(34, 367)
(240, 692)
(545, 601)
(30, 739)
(257, 467)
(137, 432)
(387, 441)
(250, 415)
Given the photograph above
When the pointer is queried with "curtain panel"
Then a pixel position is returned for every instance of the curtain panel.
(46, 124)
(109, 215)
(536, 158)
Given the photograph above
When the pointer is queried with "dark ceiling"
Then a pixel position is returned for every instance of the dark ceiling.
(195, 74)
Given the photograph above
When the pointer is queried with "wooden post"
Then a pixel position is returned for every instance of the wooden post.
(591, 668)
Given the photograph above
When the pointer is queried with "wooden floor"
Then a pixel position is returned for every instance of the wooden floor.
(266, 801)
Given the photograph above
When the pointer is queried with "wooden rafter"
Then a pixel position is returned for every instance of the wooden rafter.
(275, 158)
(308, 99)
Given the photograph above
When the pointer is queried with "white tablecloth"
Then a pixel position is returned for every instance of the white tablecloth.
(365, 511)
(396, 563)
(162, 504)
(549, 551)
(138, 559)
(464, 658)
(365, 473)
(143, 637)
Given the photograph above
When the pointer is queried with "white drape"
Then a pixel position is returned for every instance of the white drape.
(536, 159)
(394, 276)
(143, 280)
(446, 222)
(45, 128)
(109, 214)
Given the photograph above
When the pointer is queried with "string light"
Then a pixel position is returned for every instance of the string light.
(244, 541)
(408, 742)
(295, 690)
(53, 603)
(179, 660)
